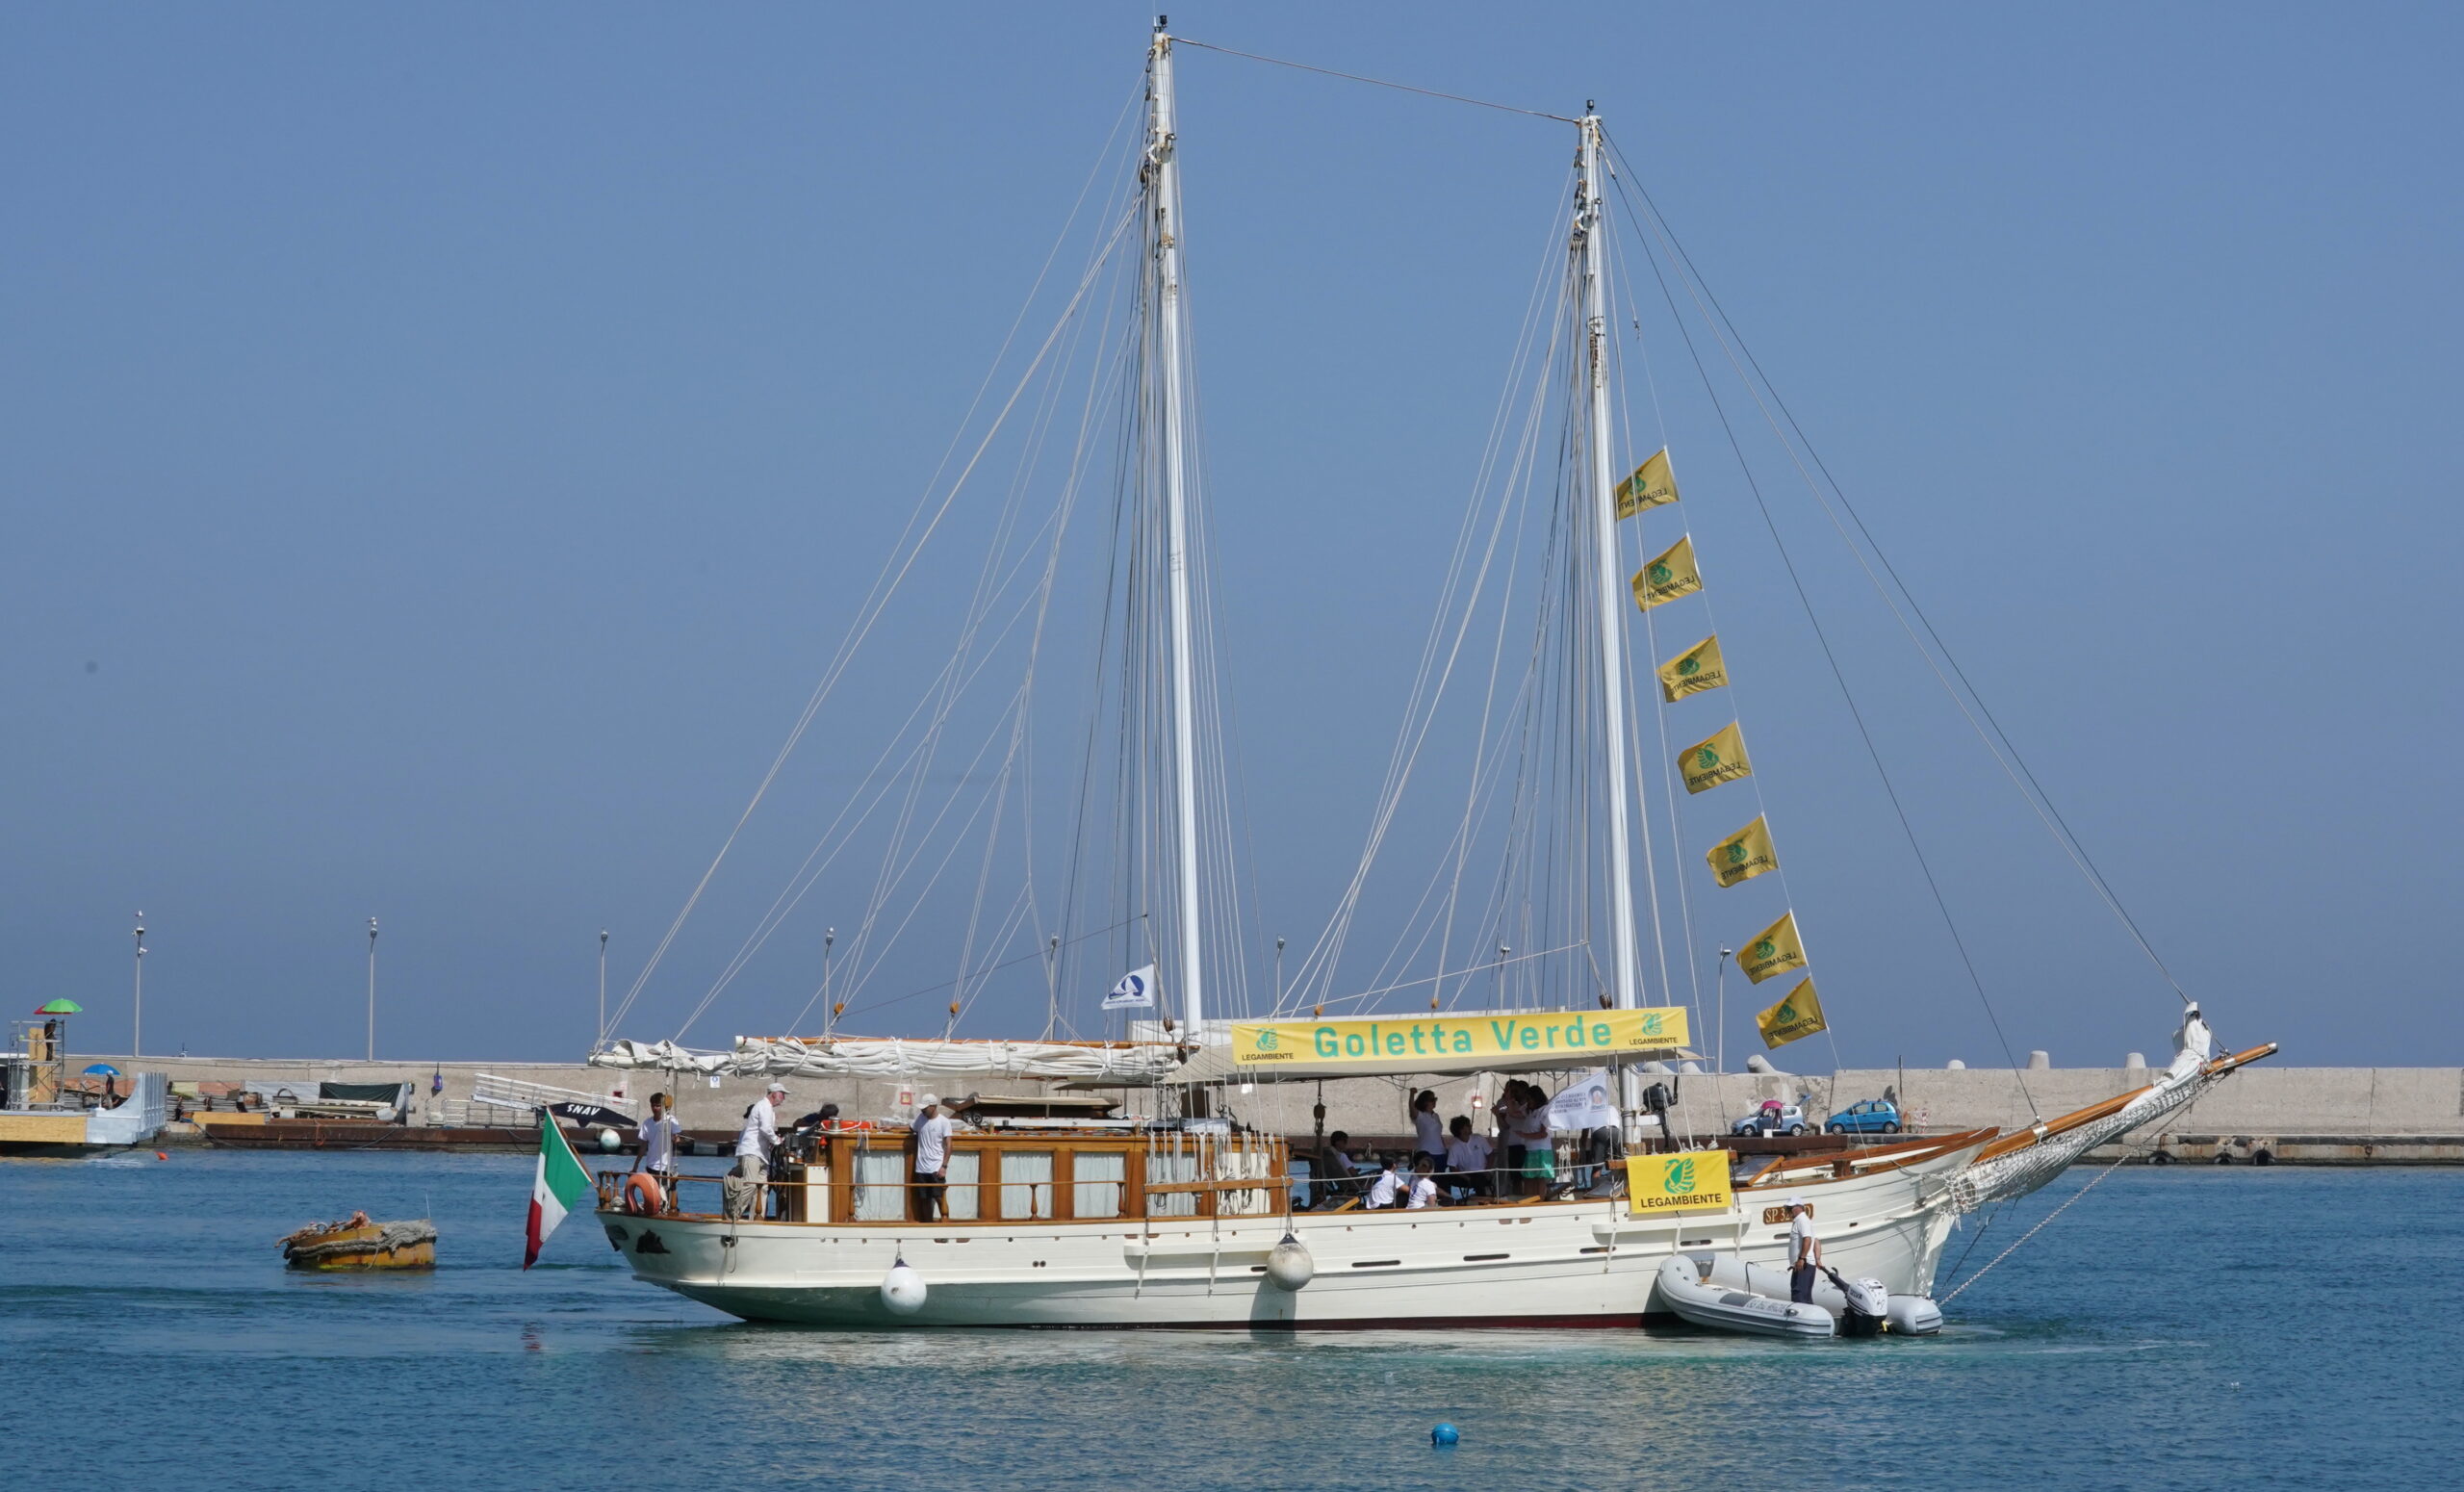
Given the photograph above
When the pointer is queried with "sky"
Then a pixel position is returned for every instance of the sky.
(440, 448)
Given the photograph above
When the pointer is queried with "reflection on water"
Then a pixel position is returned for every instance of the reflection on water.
(144, 1304)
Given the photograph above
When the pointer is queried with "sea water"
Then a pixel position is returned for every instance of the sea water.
(2191, 1327)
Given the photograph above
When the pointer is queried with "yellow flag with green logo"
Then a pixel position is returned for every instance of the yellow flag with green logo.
(1650, 486)
(1716, 758)
(1775, 950)
(1671, 575)
(1743, 855)
(1687, 1181)
(1799, 1013)
(1692, 672)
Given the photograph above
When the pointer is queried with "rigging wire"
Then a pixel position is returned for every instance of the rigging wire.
(1353, 77)
(2033, 792)
(1838, 675)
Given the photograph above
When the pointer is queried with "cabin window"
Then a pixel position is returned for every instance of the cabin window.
(1026, 1183)
(1099, 1175)
(1163, 1169)
(880, 1186)
(963, 1202)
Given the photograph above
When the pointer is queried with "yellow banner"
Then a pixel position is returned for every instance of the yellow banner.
(1650, 486)
(1743, 855)
(1688, 1181)
(1408, 1044)
(1718, 758)
(1798, 1013)
(1671, 575)
(1692, 672)
(1775, 950)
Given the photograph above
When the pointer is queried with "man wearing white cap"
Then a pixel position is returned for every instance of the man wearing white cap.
(932, 1158)
(756, 1143)
(1804, 1250)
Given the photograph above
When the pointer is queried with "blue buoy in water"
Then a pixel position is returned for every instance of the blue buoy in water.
(1444, 1435)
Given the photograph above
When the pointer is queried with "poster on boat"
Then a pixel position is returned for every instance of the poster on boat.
(1583, 1103)
(1518, 1041)
(1687, 1181)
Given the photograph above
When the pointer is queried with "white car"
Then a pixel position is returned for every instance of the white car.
(1784, 1118)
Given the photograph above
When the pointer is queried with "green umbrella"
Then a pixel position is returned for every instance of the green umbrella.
(61, 1008)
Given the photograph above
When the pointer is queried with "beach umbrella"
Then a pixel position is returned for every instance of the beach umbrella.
(61, 1008)
(102, 1070)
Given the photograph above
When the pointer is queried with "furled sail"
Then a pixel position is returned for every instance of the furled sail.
(892, 1057)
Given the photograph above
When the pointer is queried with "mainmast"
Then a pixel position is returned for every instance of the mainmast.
(1163, 188)
(1590, 237)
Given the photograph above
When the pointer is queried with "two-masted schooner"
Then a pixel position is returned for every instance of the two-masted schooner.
(1191, 1218)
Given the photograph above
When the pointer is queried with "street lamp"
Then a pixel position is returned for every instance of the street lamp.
(137, 1019)
(371, 989)
(602, 987)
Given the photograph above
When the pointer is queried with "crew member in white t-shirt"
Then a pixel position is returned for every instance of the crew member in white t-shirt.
(1467, 1158)
(1383, 1191)
(659, 1134)
(1423, 1184)
(932, 1158)
(1427, 1129)
(1805, 1252)
(755, 1145)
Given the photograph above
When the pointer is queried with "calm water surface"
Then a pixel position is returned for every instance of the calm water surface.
(2190, 1328)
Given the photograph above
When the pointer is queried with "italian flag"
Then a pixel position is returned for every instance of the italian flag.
(558, 1184)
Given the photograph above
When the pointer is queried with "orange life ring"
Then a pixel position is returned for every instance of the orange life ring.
(644, 1196)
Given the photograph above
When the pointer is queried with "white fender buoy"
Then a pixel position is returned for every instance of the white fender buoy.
(902, 1289)
(1290, 1267)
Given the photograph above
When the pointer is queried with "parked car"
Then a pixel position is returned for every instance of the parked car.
(1873, 1116)
(1773, 1118)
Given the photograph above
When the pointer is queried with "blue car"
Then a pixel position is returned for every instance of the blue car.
(1873, 1116)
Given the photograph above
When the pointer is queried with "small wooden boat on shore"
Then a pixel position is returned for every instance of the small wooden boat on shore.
(357, 1244)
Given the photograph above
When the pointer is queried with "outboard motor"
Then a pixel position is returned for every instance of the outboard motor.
(1868, 1305)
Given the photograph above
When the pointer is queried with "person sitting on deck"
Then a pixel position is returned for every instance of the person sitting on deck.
(1467, 1161)
(1423, 1183)
(1338, 1172)
(1387, 1189)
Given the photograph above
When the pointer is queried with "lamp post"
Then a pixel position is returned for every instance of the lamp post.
(603, 987)
(1720, 1047)
(371, 989)
(136, 1017)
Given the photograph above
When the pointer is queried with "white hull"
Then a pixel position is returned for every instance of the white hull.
(1558, 1264)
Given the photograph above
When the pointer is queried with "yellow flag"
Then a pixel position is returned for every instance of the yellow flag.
(1692, 672)
(1799, 1013)
(1716, 758)
(1650, 486)
(1743, 855)
(1671, 575)
(1775, 950)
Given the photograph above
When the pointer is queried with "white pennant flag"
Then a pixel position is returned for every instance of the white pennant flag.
(1135, 991)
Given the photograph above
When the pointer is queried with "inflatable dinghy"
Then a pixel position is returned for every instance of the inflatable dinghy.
(1683, 1289)
(1861, 1307)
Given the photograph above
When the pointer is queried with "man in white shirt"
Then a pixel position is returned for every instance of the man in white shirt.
(755, 1145)
(932, 1158)
(659, 1135)
(1805, 1252)
(1467, 1158)
(1383, 1191)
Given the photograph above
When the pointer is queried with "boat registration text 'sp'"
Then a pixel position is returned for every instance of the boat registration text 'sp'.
(1401, 1042)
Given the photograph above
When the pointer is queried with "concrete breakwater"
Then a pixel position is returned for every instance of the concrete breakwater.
(2327, 1114)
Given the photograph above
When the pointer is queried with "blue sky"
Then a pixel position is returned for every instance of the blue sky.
(439, 449)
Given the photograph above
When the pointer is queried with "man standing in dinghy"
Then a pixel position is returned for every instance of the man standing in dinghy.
(1805, 1252)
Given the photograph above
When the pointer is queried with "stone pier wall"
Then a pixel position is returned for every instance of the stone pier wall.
(2258, 1100)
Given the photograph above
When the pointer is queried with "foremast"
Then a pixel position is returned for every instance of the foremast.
(1163, 180)
(1589, 242)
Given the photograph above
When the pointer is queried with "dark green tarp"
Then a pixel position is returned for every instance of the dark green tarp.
(361, 1093)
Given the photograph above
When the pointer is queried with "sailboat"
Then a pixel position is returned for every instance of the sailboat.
(1188, 1216)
